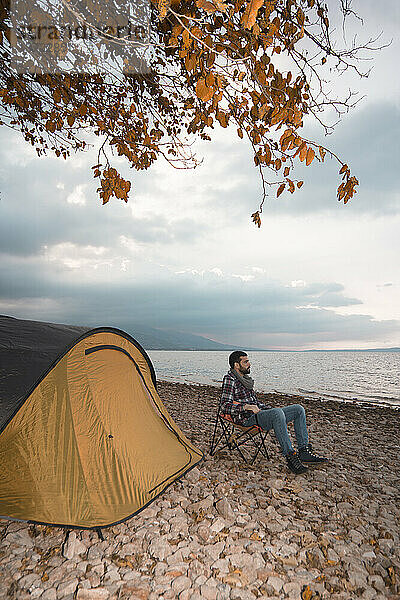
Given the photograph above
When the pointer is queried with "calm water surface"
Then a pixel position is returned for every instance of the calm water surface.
(348, 376)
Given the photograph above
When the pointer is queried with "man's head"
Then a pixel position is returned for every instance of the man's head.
(239, 361)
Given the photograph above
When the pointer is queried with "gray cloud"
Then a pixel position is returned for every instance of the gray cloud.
(34, 208)
(367, 139)
(224, 308)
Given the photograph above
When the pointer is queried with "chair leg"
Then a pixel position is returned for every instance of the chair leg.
(212, 448)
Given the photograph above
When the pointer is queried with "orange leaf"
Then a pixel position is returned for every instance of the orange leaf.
(310, 156)
(303, 151)
(250, 15)
(306, 593)
(210, 79)
(280, 189)
(222, 118)
(322, 153)
(50, 126)
(162, 6)
(300, 16)
(299, 184)
(202, 91)
(343, 169)
(256, 219)
(286, 171)
(240, 133)
(284, 135)
(207, 6)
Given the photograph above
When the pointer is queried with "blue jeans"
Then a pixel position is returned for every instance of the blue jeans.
(277, 419)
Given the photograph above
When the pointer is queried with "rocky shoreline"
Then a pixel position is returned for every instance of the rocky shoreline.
(228, 530)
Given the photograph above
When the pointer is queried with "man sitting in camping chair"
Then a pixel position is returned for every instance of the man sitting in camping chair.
(240, 403)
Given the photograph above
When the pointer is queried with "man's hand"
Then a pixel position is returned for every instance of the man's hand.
(253, 407)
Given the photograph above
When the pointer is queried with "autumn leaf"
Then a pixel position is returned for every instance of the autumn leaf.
(222, 118)
(310, 156)
(202, 91)
(303, 151)
(51, 126)
(207, 6)
(322, 153)
(212, 6)
(300, 16)
(57, 96)
(280, 189)
(299, 184)
(250, 14)
(306, 594)
(284, 135)
(162, 6)
(220, 5)
(256, 218)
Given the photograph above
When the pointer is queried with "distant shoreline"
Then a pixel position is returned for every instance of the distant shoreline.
(354, 403)
(267, 350)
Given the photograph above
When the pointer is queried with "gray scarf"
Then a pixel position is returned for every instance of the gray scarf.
(246, 380)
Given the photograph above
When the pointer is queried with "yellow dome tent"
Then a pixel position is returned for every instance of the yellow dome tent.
(85, 440)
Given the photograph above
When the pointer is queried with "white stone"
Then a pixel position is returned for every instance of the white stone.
(67, 588)
(20, 538)
(209, 592)
(214, 550)
(160, 547)
(181, 583)
(225, 509)
(275, 582)
(193, 476)
(73, 546)
(49, 594)
(218, 525)
(203, 532)
(292, 590)
(93, 594)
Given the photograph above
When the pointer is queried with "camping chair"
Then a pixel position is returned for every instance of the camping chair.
(248, 441)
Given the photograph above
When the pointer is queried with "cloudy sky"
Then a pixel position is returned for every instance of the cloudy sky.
(183, 253)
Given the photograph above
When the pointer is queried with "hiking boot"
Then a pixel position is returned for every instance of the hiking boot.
(294, 463)
(306, 455)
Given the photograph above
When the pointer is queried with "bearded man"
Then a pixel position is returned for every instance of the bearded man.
(239, 401)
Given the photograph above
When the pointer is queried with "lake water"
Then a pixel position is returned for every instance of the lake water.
(371, 377)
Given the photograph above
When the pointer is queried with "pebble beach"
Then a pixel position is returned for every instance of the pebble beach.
(229, 530)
